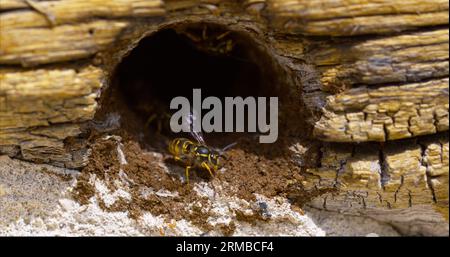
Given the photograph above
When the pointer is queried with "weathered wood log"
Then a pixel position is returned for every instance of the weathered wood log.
(383, 78)
(385, 113)
(44, 45)
(41, 97)
(76, 11)
(406, 58)
(373, 179)
(42, 107)
(348, 18)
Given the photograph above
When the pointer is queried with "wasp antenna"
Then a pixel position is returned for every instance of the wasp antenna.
(223, 150)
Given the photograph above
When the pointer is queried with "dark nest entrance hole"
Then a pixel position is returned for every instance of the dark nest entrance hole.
(170, 63)
(175, 60)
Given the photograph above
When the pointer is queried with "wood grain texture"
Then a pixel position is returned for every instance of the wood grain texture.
(405, 58)
(385, 180)
(77, 11)
(354, 17)
(40, 108)
(385, 113)
(59, 44)
(13, 4)
(44, 97)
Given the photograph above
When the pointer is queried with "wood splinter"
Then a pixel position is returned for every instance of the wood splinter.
(46, 13)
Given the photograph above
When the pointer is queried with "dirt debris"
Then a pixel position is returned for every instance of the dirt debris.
(157, 185)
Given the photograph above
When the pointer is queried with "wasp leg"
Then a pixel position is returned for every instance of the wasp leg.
(150, 120)
(192, 37)
(223, 35)
(187, 174)
(206, 166)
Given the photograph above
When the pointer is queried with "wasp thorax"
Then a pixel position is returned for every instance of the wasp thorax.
(202, 150)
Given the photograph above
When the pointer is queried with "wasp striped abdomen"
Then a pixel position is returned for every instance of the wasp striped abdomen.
(194, 155)
(180, 147)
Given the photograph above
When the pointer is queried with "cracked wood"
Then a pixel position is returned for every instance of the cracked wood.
(385, 113)
(413, 173)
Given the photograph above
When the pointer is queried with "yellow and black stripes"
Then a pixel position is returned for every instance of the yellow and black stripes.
(194, 155)
(180, 146)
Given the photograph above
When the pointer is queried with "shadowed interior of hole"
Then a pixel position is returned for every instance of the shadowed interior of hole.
(171, 63)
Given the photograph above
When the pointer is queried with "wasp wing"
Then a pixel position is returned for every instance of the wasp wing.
(197, 135)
